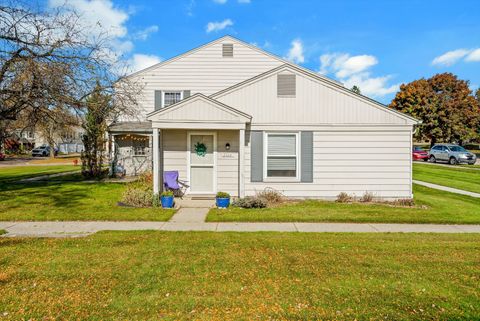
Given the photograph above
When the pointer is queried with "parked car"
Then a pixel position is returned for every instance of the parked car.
(419, 153)
(453, 154)
(43, 150)
(2, 156)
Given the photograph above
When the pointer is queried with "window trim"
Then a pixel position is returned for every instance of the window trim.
(266, 178)
(170, 92)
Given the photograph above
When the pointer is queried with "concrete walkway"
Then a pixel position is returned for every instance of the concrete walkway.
(79, 229)
(447, 189)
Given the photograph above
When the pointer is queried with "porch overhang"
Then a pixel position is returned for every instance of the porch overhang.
(199, 112)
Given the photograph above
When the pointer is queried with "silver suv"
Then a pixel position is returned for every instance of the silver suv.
(453, 154)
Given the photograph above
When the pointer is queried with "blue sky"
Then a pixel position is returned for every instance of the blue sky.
(374, 44)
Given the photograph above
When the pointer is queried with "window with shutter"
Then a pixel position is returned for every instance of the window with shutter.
(227, 50)
(286, 85)
(282, 155)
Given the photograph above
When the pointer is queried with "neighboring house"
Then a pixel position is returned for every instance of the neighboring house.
(231, 117)
(67, 141)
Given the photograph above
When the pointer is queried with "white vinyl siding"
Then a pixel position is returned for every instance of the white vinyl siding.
(315, 103)
(352, 160)
(282, 155)
(203, 71)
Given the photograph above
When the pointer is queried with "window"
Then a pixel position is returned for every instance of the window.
(286, 85)
(171, 97)
(281, 155)
(227, 50)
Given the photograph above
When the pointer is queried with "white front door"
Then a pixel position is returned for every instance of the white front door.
(202, 161)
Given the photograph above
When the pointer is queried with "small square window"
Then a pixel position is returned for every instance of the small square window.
(170, 98)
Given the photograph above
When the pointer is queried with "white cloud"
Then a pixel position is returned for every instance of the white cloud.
(354, 70)
(141, 61)
(450, 57)
(145, 33)
(474, 55)
(295, 53)
(220, 1)
(99, 17)
(371, 86)
(217, 26)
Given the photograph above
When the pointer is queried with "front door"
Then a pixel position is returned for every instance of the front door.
(202, 163)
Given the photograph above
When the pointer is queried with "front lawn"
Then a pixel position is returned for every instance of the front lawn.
(15, 173)
(442, 207)
(456, 177)
(235, 276)
(64, 200)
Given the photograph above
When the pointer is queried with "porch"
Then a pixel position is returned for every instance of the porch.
(204, 141)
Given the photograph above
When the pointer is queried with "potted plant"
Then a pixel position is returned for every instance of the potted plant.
(223, 200)
(167, 199)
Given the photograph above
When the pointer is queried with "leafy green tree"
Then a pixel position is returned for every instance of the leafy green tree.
(446, 106)
(98, 111)
(356, 89)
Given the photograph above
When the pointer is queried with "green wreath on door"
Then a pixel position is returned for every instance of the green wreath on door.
(200, 149)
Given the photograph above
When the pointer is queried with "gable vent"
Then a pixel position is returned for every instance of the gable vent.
(286, 85)
(227, 50)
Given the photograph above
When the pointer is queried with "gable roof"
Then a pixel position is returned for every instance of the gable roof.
(229, 38)
(323, 80)
(229, 113)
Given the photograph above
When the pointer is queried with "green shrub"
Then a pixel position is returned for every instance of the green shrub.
(137, 197)
(223, 195)
(140, 192)
(167, 193)
(250, 202)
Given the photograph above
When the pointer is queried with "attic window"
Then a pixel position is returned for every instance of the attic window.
(227, 50)
(286, 85)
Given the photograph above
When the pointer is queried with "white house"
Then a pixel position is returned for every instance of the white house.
(231, 117)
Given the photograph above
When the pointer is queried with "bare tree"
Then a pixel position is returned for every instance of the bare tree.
(49, 58)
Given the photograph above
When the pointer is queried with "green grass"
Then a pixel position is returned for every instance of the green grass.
(234, 276)
(442, 208)
(3, 232)
(14, 173)
(64, 200)
(456, 177)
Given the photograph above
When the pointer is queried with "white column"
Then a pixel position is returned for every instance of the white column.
(112, 153)
(241, 163)
(156, 162)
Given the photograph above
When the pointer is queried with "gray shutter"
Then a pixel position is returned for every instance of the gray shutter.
(256, 157)
(186, 94)
(158, 99)
(306, 158)
(286, 85)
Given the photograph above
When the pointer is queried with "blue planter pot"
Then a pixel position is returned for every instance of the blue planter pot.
(167, 201)
(223, 202)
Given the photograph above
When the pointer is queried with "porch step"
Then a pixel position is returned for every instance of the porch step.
(195, 203)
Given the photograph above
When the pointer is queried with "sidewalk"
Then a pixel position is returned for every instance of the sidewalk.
(447, 189)
(79, 229)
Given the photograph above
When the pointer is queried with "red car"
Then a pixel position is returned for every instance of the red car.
(419, 154)
(2, 156)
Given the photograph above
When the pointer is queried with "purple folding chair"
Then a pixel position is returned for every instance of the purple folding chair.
(171, 182)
